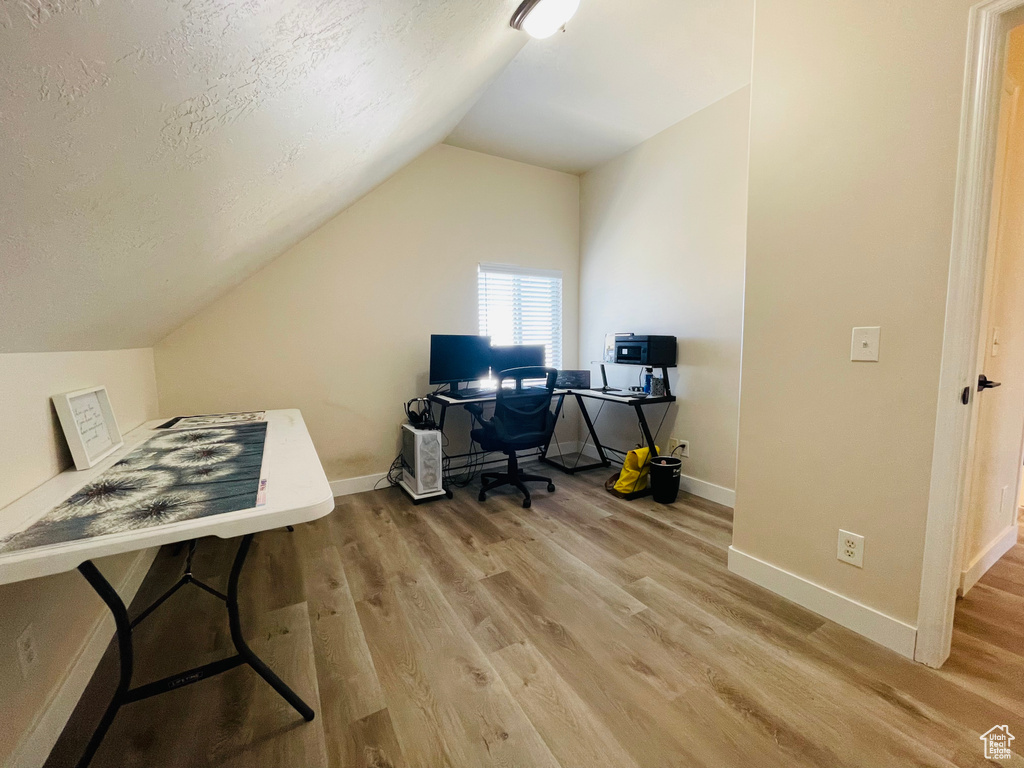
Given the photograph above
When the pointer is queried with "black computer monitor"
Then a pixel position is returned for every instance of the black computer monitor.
(518, 356)
(459, 358)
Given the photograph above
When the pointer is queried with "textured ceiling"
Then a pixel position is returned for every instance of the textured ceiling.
(156, 153)
(619, 74)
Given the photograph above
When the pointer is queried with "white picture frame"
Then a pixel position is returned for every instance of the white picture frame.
(89, 425)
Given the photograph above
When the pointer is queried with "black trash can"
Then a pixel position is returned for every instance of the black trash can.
(665, 471)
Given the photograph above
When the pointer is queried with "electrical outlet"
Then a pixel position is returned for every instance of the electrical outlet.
(28, 655)
(851, 548)
(677, 447)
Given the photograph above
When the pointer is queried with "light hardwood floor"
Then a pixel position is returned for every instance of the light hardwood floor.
(586, 631)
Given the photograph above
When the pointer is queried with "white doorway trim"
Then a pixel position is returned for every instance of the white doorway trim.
(940, 574)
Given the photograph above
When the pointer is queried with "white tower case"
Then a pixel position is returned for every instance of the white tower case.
(422, 457)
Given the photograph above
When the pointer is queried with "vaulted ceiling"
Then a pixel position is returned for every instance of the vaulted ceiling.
(621, 72)
(154, 154)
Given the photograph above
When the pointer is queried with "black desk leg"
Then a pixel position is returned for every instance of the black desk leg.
(646, 429)
(604, 462)
(448, 492)
(124, 646)
(242, 647)
(593, 432)
(558, 410)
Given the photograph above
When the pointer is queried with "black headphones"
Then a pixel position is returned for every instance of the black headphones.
(420, 414)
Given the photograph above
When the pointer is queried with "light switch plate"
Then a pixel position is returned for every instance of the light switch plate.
(864, 347)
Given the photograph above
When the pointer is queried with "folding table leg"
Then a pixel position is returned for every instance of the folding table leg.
(125, 693)
(124, 645)
(243, 649)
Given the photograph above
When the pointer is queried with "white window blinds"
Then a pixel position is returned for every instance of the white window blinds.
(522, 306)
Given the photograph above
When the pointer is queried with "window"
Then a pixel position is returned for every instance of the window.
(522, 306)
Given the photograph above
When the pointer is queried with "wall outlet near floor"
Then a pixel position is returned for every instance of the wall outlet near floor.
(683, 447)
(851, 548)
(28, 655)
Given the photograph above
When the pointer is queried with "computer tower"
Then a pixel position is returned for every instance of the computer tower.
(422, 471)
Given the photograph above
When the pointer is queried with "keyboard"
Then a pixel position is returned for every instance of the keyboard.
(469, 394)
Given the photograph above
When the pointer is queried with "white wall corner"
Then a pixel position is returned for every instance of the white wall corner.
(37, 742)
(874, 625)
(985, 559)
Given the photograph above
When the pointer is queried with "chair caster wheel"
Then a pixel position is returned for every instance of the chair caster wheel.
(551, 487)
(526, 503)
(482, 496)
(449, 494)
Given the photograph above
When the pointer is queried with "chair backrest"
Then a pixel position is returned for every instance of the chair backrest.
(522, 415)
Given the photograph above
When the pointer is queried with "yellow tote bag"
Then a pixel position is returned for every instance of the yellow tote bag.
(635, 469)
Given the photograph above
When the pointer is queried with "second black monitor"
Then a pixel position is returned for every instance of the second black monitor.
(518, 356)
(456, 359)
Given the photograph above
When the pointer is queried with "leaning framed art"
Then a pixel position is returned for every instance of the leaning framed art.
(89, 425)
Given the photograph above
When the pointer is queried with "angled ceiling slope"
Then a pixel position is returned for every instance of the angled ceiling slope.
(154, 154)
(621, 72)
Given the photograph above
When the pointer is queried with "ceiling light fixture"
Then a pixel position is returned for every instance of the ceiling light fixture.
(542, 18)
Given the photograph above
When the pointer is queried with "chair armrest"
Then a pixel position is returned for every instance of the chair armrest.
(477, 412)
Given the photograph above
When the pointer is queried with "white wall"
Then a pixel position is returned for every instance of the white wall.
(663, 238)
(339, 326)
(64, 612)
(855, 118)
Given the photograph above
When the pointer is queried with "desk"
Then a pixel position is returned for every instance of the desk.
(297, 491)
(624, 398)
(628, 399)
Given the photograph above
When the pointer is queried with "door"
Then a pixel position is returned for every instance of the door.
(998, 446)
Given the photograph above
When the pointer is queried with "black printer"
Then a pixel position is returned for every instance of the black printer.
(652, 351)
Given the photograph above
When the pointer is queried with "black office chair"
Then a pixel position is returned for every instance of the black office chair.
(522, 420)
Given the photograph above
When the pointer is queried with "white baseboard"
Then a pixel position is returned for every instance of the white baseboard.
(996, 548)
(702, 488)
(883, 629)
(709, 491)
(38, 740)
(351, 485)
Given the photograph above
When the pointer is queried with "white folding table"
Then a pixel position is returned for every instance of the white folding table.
(297, 492)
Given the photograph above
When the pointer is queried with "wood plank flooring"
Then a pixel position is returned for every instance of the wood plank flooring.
(585, 632)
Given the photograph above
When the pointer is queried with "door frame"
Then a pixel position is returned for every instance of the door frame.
(947, 508)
